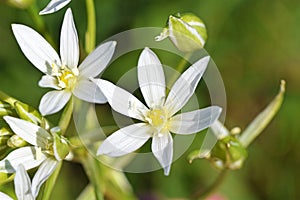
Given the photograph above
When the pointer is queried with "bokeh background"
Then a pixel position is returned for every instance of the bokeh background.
(254, 43)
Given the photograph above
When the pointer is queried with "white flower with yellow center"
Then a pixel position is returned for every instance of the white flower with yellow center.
(46, 150)
(159, 118)
(53, 6)
(63, 74)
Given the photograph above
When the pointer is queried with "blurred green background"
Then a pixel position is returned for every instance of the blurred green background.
(254, 43)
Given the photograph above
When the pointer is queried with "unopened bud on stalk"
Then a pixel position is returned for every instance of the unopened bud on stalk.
(5, 109)
(21, 4)
(186, 31)
(15, 142)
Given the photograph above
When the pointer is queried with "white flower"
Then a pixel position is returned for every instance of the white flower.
(22, 186)
(54, 6)
(45, 151)
(159, 118)
(63, 74)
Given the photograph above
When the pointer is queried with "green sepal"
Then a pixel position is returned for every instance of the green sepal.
(61, 146)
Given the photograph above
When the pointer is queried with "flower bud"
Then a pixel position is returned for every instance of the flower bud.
(30, 114)
(21, 4)
(60, 144)
(5, 109)
(228, 153)
(15, 141)
(186, 31)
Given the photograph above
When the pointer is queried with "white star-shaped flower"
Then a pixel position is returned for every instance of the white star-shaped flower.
(62, 73)
(23, 188)
(159, 116)
(47, 151)
(53, 6)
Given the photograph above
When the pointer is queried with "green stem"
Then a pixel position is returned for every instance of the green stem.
(66, 116)
(90, 35)
(180, 67)
(213, 187)
(50, 183)
(39, 23)
(93, 170)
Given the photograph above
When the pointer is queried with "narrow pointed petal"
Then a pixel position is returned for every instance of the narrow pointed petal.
(54, 101)
(42, 174)
(185, 86)
(23, 184)
(151, 78)
(69, 47)
(48, 81)
(29, 157)
(89, 91)
(122, 101)
(195, 121)
(162, 148)
(54, 6)
(5, 196)
(29, 132)
(36, 49)
(97, 61)
(125, 140)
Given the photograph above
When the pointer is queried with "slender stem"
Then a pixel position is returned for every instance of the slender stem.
(90, 35)
(66, 116)
(39, 23)
(180, 67)
(214, 186)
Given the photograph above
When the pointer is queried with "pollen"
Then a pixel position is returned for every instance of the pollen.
(66, 78)
(157, 118)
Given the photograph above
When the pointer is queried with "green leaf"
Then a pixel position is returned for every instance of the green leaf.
(263, 119)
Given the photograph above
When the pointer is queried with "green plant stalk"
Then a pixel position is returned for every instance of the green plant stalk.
(39, 23)
(180, 67)
(50, 183)
(213, 187)
(66, 116)
(93, 170)
(90, 35)
(263, 119)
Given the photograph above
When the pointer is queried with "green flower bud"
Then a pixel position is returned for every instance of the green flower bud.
(186, 31)
(15, 141)
(30, 114)
(61, 146)
(5, 109)
(228, 153)
(21, 4)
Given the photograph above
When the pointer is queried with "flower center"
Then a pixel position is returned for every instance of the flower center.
(157, 118)
(66, 78)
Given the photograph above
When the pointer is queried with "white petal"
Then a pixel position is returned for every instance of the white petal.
(54, 6)
(151, 78)
(29, 132)
(54, 101)
(69, 48)
(162, 148)
(48, 81)
(121, 101)
(37, 50)
(97, 61)
(185, 86)
(89, 91)
(5, 196)
(29, 157)
(23, 184)
(195, 121)
(125, 140)
(219, 130)
(42, 174)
